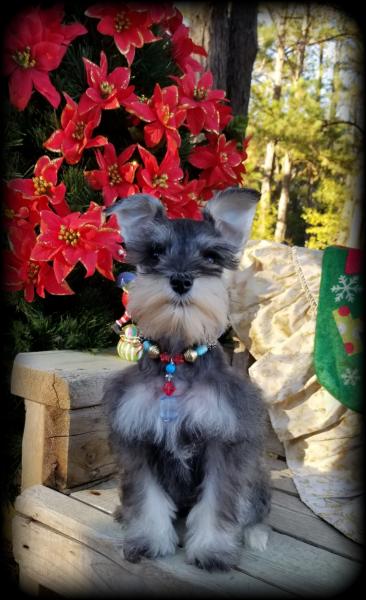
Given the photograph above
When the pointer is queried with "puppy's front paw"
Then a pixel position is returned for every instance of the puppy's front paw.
(211, 560)
(136, 548)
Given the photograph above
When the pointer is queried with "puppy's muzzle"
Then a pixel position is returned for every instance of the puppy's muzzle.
(181, 283)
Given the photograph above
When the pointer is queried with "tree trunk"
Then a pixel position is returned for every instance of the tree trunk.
(284, 200)
(350, 232)
(199, 16)
(266, 188)
(243, 47)
(228, 32)
(265, 199)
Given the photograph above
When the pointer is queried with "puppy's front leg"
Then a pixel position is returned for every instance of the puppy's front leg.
(147, 510)
(213, 524)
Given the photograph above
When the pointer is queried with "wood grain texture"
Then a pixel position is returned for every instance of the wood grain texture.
(288, 564)
(65, 448)
(64, 379)
(58, 539)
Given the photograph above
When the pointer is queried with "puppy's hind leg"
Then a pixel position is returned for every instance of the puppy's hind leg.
(254, 511)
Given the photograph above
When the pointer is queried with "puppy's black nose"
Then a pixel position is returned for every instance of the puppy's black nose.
(181, 283)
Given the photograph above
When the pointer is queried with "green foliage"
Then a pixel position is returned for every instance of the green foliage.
(311, 120)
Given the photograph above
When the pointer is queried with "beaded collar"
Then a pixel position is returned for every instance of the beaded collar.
(168, 403)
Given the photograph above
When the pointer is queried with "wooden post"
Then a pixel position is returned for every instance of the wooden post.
(65, 441)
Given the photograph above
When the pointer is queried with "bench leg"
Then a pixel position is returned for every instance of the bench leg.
(27, 584)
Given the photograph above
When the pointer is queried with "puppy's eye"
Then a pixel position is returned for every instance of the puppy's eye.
(210, 257)
(156, 252)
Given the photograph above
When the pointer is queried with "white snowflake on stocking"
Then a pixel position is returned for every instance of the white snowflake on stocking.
(347, 288)
(350, 376)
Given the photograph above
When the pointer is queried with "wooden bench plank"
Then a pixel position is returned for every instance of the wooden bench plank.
(290, 516)
(64, 378)
(287, 563)
(281, 477)
(63, 527)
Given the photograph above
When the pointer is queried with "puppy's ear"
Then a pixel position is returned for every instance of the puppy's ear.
(134, 213)
(233, 213)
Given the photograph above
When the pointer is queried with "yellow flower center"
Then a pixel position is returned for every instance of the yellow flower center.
(223, 157)
(166, 115)
(143, 98)
(113, 174)
(79, 130)
(69, 236)
(24, 59)
(9, 213)
(32, 273)
(41, 185)
(199, 93)
(121, 21)
(160, 180)
(106, 89)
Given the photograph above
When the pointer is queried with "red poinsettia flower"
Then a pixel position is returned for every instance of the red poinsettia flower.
(183, 47)
(240, 170)
(128, 27)
(35, 44)
(161, 180)
(200, 100)
(225, 114)
(43, 188)
(77, 237)
(76, 132)
(105, 91)
(218, 160)
(162, 113)
(115, 175)
(21, 272)
(15, 207)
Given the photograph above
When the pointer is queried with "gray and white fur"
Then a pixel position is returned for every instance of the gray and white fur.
(207, 464)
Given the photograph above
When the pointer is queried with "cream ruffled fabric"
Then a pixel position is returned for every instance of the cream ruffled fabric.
(273, 311)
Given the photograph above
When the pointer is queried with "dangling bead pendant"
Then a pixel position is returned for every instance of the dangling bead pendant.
(168, 402)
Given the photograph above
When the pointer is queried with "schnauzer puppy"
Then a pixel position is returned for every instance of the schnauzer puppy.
(186, 428)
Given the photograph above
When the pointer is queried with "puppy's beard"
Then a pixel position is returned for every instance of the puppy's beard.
(196, 317)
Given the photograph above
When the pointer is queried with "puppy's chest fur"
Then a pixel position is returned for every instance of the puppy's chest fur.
(202, 413)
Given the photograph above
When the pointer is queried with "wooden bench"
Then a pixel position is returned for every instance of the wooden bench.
(64, 535)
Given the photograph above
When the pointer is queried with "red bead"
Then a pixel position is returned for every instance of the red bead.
(344, 311)
(164, 357)
(125, 298)
(178, 359)
(169, 388)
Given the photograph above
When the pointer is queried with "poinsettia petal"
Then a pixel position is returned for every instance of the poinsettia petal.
(153, 133)
(61, 268)
(104, 264)
(48, 56)
(195, 120)
(55, 141)
(20, 88)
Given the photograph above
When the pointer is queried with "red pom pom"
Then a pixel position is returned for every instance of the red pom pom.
(164, 357)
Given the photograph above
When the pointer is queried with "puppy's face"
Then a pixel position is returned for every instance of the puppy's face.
(179, 289)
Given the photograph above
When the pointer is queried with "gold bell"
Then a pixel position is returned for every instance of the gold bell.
(153, 351)
(190, 355)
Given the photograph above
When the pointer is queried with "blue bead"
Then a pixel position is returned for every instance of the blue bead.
(146, 345)
(201, 349)
(170, 368)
